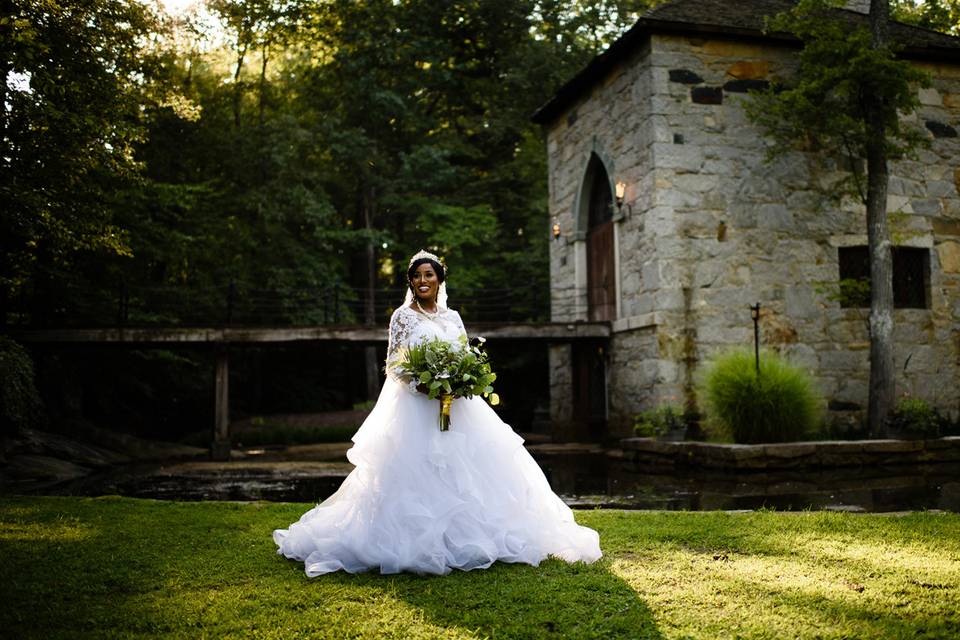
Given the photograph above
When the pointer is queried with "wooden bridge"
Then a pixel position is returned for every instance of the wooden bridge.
(222, 338)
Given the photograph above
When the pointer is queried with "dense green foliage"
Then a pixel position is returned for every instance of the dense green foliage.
(777, 405)
(272, 162)
(19, 400)
(301, 150)
(78, 568)
(939, 15)
(76, 76)
(658, 422)
(915, 417)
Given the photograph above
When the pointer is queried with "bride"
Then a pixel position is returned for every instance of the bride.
(427, 501)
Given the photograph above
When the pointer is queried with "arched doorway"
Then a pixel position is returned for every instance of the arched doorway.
(589, 358)
(601, 277)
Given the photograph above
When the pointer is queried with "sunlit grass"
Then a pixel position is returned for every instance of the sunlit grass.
(80, 567)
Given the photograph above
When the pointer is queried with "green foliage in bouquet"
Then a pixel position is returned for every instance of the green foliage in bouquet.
(460, 370)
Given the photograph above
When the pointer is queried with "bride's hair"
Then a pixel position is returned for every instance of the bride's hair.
(437, 268)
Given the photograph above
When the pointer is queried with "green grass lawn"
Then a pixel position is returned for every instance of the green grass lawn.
(118, 567)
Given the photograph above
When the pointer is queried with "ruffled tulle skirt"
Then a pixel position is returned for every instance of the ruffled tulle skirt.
(427, 501)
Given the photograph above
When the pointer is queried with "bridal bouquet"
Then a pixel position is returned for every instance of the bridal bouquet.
(450, 370)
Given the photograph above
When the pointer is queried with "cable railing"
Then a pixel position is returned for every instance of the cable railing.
(238, 304)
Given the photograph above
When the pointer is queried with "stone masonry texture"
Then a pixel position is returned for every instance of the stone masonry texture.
(711, 226)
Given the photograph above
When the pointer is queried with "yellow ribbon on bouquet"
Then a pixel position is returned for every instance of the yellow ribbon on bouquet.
(445, 401)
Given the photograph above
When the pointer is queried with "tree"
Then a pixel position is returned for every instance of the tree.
(81, 71)
(846, 100)
(938, 15)
(235, 173)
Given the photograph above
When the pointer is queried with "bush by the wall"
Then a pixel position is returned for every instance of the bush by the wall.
(778, 405)
(659, 422)
(19, 400)
(915, 418)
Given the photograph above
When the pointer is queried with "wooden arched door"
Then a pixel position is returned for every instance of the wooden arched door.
(601, 278)
(589, 358)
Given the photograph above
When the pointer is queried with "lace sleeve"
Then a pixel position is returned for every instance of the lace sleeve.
(400, 326)
(459, 322)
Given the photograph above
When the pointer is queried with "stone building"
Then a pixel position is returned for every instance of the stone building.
(707, 227)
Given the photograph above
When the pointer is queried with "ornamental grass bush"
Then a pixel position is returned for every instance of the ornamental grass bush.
(778, 405)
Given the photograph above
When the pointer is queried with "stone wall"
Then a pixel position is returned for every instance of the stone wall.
(710, 228)
(750, 231)
(634, 377)
(613, 123)
(654, 454)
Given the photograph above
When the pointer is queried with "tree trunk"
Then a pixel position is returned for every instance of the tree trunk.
(882, 376)
(5, 68)
(188, 79)
(263, 85)
(237, 94)
(6, 268)
(261, 112)
(369, 310)
(369, 307)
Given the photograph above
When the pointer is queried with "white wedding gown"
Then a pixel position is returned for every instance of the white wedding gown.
(427, 501)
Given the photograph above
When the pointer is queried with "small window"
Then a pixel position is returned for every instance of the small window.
(911, 277)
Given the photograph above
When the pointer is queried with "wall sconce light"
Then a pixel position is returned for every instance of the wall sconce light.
(556, 228)
(621, 190)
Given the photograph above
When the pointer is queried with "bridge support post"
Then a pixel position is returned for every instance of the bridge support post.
(373, 372)
(220, 447)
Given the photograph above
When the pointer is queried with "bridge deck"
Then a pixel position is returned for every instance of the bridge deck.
(546, 331)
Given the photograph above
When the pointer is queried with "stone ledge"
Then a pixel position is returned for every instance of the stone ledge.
(642, 321)
(817, 454)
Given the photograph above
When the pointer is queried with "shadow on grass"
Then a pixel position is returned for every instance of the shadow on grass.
(82, 567)
(555, 599)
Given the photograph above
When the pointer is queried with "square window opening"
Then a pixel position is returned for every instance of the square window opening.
(911, 277)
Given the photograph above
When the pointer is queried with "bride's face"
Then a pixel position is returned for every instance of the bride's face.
(425, 282)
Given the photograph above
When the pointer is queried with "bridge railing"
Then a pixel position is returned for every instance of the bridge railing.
(237, 304)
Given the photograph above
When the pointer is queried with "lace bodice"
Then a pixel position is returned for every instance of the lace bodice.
(410, 326)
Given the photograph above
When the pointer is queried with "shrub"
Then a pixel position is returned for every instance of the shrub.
(19, 401)
(915, 417)
(290, 435)
(658, 422)
(267, 433)
(778, 405)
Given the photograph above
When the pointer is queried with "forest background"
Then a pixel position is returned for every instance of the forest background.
(277, 160)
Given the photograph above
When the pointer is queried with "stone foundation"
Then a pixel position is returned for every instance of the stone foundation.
(660, 455)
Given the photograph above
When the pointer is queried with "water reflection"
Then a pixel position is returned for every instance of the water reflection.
(583, 480)
(601, 481)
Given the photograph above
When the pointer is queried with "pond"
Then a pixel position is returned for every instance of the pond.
(604, 481)
(586, 478)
